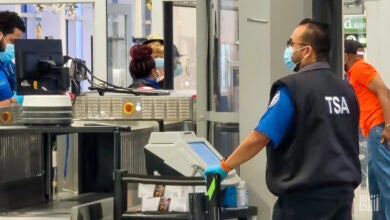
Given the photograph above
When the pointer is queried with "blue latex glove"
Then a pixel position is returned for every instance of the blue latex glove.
(19, 98)
(215, 169)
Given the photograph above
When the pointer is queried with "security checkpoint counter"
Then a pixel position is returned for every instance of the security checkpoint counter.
(26, 173)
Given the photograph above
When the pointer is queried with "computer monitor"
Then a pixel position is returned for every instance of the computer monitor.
(39, 67)
(183, 153)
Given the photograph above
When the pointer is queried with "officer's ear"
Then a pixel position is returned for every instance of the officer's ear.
(309, 50)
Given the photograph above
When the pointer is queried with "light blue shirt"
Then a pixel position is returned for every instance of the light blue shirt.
(276, 121)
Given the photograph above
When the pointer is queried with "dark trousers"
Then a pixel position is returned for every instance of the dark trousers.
(304, 207)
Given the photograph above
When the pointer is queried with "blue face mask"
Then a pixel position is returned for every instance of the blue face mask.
(159, 63)
(288, 62)
(178, 70)
(8, 54)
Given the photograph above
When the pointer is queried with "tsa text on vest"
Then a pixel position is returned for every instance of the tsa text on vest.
(337, 105)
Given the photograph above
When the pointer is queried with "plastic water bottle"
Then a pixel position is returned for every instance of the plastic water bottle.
(242, 195)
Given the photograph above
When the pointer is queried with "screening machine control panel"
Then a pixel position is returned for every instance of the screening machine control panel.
(187, 154)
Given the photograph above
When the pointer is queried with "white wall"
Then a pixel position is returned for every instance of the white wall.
(378, 35)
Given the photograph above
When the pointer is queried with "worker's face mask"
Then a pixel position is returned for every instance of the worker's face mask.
(8, 54)
(159, 63)
(288, 62)
(178, 70)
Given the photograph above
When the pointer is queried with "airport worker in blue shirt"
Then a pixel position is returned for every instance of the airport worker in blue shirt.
(311, 132)
(11, 27)
(7, 78)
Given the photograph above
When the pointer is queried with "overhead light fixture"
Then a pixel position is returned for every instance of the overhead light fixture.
(68, 8)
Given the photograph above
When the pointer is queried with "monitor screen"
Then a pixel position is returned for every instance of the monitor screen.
(204, 152)
(39, 66)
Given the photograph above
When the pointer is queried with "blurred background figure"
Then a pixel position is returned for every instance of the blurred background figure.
(143, 68)
(374, 102)
(156, 42)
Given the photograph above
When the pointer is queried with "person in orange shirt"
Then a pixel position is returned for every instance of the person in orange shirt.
(374, 101)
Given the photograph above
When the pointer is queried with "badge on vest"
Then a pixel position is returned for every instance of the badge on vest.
(337, 105)
(275, 99)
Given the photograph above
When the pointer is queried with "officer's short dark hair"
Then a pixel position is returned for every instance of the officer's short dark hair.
(318, 36)
(10, 20)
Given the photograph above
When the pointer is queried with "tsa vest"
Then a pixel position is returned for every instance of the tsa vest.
(321, 149)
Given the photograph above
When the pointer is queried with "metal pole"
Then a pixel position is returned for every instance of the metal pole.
(120, 201)
(330, 12)
(169, 57)
(117, 149)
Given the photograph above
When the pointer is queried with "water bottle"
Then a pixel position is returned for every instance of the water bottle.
(242, 195)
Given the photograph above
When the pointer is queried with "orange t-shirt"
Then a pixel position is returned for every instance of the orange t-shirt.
(371, 113)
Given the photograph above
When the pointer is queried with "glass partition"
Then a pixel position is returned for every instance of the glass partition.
(228, 76)
(184, 38)
(119, 33)
(223, 77)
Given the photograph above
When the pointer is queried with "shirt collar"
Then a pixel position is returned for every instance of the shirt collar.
(152, 83)
(316, 65)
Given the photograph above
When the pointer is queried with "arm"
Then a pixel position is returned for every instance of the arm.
(248, 148)
(380, 89)
(8, 102)
(272, 128)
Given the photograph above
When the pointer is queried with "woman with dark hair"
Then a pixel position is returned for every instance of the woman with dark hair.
(143, 68)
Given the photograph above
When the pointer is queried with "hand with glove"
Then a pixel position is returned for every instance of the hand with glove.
(222, 170)
(19, 98)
